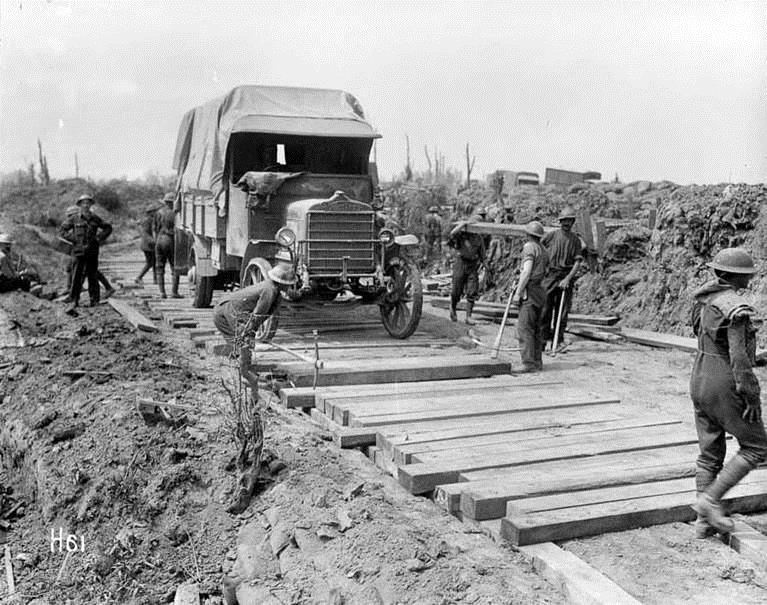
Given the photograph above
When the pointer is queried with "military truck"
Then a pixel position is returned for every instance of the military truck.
(276, 174)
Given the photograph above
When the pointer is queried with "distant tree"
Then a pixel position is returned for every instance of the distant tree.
(45, 177)
(469, 165)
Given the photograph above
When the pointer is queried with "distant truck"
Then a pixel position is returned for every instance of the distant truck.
(555, 176)
(276, 174)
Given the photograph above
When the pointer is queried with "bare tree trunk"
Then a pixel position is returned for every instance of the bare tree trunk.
(469, 166)
(408, 168)
(428, 161)
(77, 167)
(44, 176)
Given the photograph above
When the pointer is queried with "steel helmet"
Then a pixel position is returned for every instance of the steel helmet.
(567, 212)
(169, 197)
(283, 255)
(5, 238)
(534, 228)
(83, 198)
(282, 274)
(72, 210)
(433, 209)
(733, 260)
(482, 212)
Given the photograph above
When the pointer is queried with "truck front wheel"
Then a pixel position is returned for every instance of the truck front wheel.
(402, 303)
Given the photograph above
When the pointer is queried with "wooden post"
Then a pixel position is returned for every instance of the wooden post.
(652, 219)
(601, 236)
(583, 225)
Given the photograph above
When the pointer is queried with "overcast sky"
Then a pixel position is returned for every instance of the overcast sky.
(650, 90)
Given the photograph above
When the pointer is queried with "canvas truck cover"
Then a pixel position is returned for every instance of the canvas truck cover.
(205, 130)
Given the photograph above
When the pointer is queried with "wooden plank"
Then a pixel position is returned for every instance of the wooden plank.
(601, 236)
(581, 583)
(400, 370)
(749, 542)
(346, 437)
(612, 494)
(594, 519)
(497, 310)
(419, 478)
(592, 333)
(410, 438)
(583, 228)
(481, 408)
(501, 229)
(430, 452)
(399, 389)
(136, 319)
(344, 410)
(658, 339)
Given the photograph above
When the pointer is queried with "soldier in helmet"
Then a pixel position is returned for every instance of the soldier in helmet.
(530, 297)
(433, 233)
(471, 255)
(566, 252)
(10, 278)
(147, 246)
(242, 312)
(164, 233)
(109, 290)
(724, 390)
(85, 231)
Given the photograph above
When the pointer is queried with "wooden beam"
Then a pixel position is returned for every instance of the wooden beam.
(658, 339)
(407, 369)
(497, 310)
(750, 543)
(581, 583)
(420, 452)
(485, 494)
(501, 229)
(621, 515)
(134, 317)
(344, 410)
(419, 478)
(482, 408)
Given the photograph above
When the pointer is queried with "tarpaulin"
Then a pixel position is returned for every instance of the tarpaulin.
(205, 131)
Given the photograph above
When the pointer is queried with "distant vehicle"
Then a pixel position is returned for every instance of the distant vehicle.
(555, 176)
(275, 174)
(514, 179)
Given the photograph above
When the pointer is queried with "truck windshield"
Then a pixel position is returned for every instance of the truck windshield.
(282, 153)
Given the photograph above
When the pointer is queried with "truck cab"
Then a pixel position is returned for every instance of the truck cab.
(274, 174)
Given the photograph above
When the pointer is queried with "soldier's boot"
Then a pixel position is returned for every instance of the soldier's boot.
(703, 479)
(709, 504)
(453, 314)
(174, 287)
(469, 309)
(161, 283)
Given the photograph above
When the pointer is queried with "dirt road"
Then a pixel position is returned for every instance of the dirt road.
(149, 501)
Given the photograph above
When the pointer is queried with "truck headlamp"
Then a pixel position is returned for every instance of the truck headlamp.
(386, 237)
(285, 237)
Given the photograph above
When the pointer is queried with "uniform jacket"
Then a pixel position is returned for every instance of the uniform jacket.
(535, 294)
(470, 246)
(147, 233)
(164, 222)
(564, 248)
(85, 234)
(716, 307)
(258, 301)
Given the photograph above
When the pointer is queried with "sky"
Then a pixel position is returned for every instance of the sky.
(645, 90)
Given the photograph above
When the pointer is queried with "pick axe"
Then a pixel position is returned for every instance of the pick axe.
(555, 341)
(497, 343)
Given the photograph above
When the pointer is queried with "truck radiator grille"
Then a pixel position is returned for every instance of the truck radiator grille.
(335, 235)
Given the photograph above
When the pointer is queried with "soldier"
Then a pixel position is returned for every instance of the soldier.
(109, 290)
(10, 278)
(164, 226)
(242, 312)
(724, 390)
(565, 251)
(85, 231)
(433, 236)
(471, 255)
(530, 297)
(147, 246)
